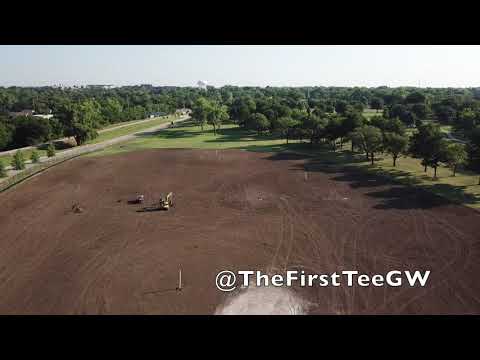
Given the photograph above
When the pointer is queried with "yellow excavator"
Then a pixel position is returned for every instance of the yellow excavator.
(167, 202)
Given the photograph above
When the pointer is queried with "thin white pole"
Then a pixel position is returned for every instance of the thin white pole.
(180, 279)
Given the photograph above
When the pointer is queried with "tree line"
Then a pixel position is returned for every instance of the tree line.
(77, 112)
(328, 115)
(344, 122)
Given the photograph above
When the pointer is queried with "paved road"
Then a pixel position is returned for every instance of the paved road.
(78, 150)
(13, 151)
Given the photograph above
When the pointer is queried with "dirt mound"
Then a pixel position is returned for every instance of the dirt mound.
(234, 210)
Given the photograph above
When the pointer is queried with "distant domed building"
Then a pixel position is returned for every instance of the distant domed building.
(202, 84)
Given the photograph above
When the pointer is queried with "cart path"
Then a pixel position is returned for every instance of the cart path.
(78, 150)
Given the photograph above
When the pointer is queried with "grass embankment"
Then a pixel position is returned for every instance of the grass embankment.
(462, 188)
(107, 135)
(126, 130)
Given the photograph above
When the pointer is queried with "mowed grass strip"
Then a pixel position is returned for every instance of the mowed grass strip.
(126, 130)
(190, 136)
(462, 188)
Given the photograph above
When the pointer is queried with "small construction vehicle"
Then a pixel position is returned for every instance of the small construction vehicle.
(164, 203)
(77, 209)
(167, 202)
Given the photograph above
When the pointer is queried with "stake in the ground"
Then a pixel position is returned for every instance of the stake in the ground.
(179, 288)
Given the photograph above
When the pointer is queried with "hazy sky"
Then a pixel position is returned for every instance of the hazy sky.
(241, 65)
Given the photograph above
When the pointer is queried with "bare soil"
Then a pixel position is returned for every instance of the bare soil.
(234, 210)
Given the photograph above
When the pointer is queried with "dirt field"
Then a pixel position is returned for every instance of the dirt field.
(233, 210)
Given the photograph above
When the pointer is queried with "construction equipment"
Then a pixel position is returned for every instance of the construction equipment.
(138, 200)
(77, 209)
(164, 203)
(167, 202)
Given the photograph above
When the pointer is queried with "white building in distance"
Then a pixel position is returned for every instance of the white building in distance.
(202, 84)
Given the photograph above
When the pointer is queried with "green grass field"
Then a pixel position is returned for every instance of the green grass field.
(369, 113)
(462, 188)
(189, 136)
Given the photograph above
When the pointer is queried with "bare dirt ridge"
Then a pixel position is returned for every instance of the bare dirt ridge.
(234, 210)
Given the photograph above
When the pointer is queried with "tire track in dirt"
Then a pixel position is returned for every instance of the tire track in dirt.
(101, 261)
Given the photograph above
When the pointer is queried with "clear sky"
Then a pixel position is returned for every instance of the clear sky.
(359, 65)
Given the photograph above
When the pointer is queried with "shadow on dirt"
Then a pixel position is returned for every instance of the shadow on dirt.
(151, 209)
(393, 194)
(405, 198)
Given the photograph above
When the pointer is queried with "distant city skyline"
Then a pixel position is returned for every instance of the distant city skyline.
(369, 66)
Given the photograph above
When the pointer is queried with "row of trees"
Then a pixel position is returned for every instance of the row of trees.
(78, 112)
(428, 144)
(18, 161)
(381, 134)
(331, 115)
(459, 107)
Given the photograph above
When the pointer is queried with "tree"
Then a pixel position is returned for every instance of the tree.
(30, 130)
(50, 150)
(350, 122)
(35, 157)
(81, 120)
(378, 122)
(455, 155)
(467, 120)
(112, 110)
(426, 144)
(395, 126)
(3, 171)
(415, 97)
(357, 106)
(445, 114)
(341, 106)
(18, 161)
(333, 130)
(376, 103)
(420, 111)
(473, 150)
(423, 141)
(402, 112)
(216, 115)
(285, 125)
(259, 122)
(438, 155)
(5, 135)
(395, 145)
(200, 111)
(369, 140)
(314, 127)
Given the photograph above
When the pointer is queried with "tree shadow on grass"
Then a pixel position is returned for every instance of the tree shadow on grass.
(162, 134)
(237, 135)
